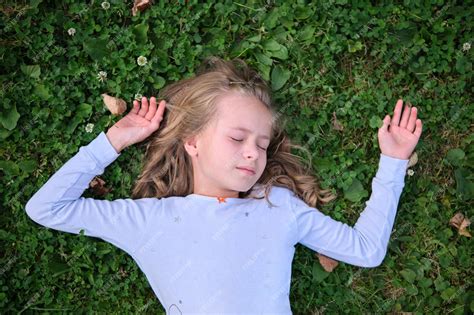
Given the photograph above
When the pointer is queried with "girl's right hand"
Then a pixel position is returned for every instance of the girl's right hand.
(137, 125)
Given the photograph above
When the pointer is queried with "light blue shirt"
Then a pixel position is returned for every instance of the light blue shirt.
(202, 255)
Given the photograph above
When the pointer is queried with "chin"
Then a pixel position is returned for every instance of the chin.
(246, 188)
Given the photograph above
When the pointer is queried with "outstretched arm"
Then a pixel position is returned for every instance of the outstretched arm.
(58, 203)
(366, 243)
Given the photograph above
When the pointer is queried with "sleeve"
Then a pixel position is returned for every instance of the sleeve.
(366, 243)
(58, 203)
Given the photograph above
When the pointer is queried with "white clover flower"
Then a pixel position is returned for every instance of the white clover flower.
(102, 76)
(466, 46)
(141, 61)
(138, 96)
(411, 172)
(71, 31)
(89, 127)
(105, 5)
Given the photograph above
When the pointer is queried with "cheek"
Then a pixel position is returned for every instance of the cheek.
(227, 153)
(231, 147)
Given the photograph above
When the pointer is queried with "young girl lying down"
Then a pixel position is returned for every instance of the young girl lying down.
(221, 202)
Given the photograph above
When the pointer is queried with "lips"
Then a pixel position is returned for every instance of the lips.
(248, 169)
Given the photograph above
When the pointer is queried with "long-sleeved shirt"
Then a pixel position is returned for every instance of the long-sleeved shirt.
(204, 254)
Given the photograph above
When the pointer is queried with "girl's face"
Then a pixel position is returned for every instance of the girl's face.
(237, 138)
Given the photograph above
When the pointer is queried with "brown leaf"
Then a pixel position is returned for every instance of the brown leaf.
(97, 186)
(328, 263)
(335, 123)
(462, 229)
(122, 272)
(413, 159)
(456, 220)
(140, 5)
(461, 223)
(115, 105)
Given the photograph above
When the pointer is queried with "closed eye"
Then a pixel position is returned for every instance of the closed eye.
(240, 140)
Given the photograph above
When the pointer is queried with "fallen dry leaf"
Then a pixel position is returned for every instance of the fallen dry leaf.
(413, 159)
(335, 123)
(462, 229)
(456, 219)
(328, 263)
(115, 105)
(97, 186)
(122, 272)
(461, 223)
(140, 5)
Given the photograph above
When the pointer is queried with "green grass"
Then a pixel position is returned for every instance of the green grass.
(331, 57)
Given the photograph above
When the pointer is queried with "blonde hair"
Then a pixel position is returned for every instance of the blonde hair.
(191, 106)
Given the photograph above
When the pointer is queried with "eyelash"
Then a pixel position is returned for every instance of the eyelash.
(241, 140)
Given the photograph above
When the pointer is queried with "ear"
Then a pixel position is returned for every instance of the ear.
(190, 145)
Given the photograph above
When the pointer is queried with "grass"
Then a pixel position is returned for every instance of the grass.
(351, 60)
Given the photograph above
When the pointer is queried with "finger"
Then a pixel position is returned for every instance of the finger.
(412, 119)
(386, 123)
(406, 115)
(144, 108)
(151, 109)
(159, 113)
(396, 113)
(135, 108)
(419, 128)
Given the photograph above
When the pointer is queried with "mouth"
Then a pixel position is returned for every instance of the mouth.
(246, 170)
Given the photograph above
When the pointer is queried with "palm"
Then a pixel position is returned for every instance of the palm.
(399, 137)
(139, 123)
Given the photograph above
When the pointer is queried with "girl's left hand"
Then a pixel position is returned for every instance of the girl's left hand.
(398, 138)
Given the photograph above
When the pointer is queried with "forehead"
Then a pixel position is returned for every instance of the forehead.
(237, 111)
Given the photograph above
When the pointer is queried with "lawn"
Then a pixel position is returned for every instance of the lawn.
(336, 69)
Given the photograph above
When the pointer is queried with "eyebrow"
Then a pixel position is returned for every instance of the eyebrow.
(247, 130)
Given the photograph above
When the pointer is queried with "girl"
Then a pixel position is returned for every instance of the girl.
(198, 226)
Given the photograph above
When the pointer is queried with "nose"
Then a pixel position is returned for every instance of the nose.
(251, 152)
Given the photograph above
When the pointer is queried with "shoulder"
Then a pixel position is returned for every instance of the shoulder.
(277, 195)
(282, 192)
(289, 199)
(277, 190)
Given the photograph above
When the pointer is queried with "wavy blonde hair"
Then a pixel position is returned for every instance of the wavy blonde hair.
(191, 105)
